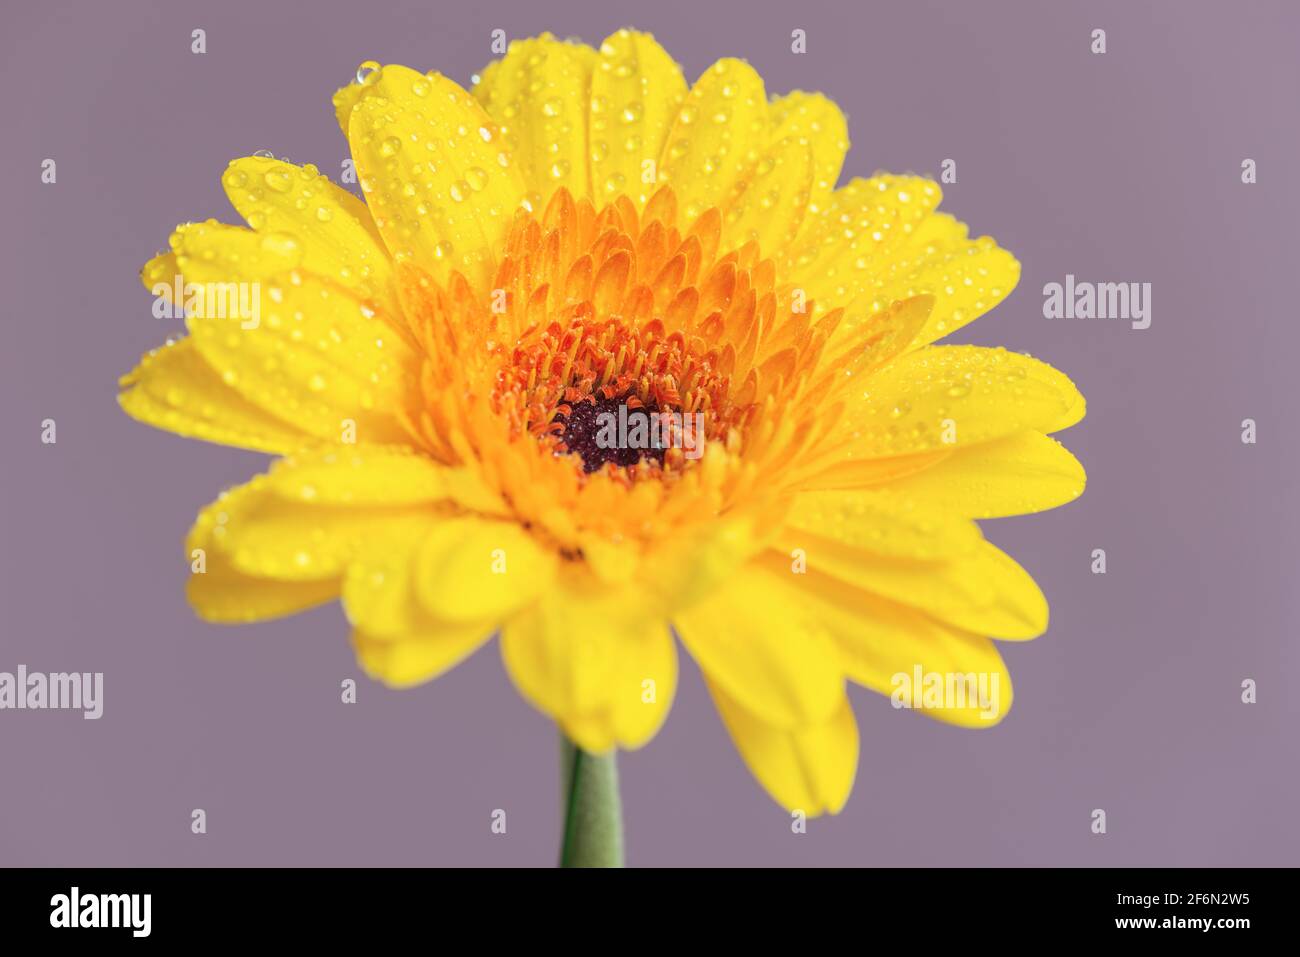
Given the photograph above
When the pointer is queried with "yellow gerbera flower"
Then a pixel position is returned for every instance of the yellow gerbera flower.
(584, 237)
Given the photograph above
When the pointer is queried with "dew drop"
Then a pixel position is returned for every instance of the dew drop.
(278, 180)
(281, 244)
(366, 70)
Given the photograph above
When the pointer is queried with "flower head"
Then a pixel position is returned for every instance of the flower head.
(455, 372)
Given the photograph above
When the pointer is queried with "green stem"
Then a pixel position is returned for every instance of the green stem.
(593, 814)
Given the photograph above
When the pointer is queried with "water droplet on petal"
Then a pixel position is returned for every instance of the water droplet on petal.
(279, 244)
(278, 179)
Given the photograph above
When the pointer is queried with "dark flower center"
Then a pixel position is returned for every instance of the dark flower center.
(601, 430)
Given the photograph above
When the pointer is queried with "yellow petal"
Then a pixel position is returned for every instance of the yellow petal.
(396, 639)
(827, 473)
(582, 655)
(158, 276)
(644, 685)
(984, 591)
(289, 342)
(1022, 473)
(174, 389)
(346, 98)
(879, 336)
(539, 94)
(809, 768)
(636, 90)
(842, 253)
(440, 185)
(641, 685)
(474, 569)
(558, 665)
(1073, 416)
(380, 594)
(332, 227)
(770, 199)
(720, 131)
(212, 252)
(883, 645)
(968, 277)
(693, 563)
(417, 658)
(755, 641)
(313, 355)
(943, 397)
(879, 521)
(882, 239)
(818, 120)
(361, 475)
(273, 537)
(222, 593)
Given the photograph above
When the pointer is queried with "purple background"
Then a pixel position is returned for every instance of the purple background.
(1122, 167)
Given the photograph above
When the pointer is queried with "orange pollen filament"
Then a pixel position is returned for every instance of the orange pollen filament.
(593, 388)
(626, 341)
(621, 340)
